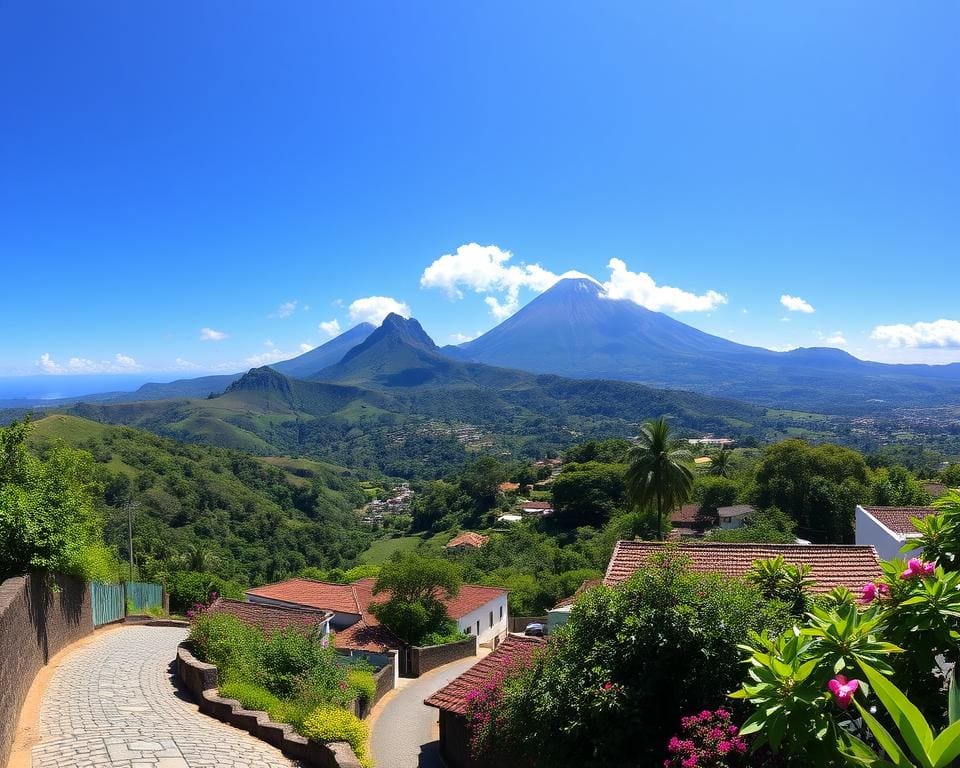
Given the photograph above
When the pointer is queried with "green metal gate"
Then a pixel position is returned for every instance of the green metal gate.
(107, 602)
(142, 597)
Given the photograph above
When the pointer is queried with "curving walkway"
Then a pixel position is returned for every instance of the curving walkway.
(113, 703)
(405, 732)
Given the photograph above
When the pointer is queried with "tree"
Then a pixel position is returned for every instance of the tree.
(589, 493)
(658, 474)
(481, 481)
(720, 463)
(415, 588)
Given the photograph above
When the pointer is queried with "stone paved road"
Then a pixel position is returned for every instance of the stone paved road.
(113, 703)
(405, 732)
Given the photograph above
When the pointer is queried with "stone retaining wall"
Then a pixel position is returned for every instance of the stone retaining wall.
(423, 659)
(201, 680)
(39, 617)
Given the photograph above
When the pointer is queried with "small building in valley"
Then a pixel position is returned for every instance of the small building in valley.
(453, 699)
(466, 541)
(887, 529)
(732, 517)
(536, 508)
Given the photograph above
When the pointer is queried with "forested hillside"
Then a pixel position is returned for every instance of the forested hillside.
(200, 508)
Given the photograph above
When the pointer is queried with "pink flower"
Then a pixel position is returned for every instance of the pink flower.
(916, 567)
(884, 589)
(843, 690)
(869, 593)
(929, 569)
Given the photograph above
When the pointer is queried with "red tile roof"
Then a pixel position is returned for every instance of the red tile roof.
(355, 598)
(544, 505)
(468, 539)
(362, 636)
(515, 650)
(832, 565)
(311, 593)
(897, 519)
(270, 617)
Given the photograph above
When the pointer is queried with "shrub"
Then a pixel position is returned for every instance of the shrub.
(288, 658)
(234, 647)
(186, 588)
(362, 683)
(252, 696)
(332, 724)
(708, 740)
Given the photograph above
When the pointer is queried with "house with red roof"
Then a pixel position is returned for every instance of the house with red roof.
(831, 565)
(468, 540)
(274, 618)
(477, 610)
(887, 529)
(453, 699)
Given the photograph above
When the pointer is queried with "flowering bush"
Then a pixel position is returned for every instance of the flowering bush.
(486, 715)
(707, 740)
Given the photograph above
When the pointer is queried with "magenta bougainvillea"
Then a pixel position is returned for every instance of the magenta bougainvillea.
(485, 715)
(707, 740)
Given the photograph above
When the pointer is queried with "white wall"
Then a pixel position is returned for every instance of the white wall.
(871, 531)
(487, 633)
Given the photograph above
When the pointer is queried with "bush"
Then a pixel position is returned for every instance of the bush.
(616, 679)
(332, 724)
(708, 740)
(186, 588)
(363, 685)
(234, 647)
(252, 696)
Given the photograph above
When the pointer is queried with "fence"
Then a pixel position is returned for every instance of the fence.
(108, 603)
(143, 597)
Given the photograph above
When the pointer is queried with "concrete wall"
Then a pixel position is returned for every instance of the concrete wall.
(36, 622)
(429, 657)
(488, 635)
(886, 542)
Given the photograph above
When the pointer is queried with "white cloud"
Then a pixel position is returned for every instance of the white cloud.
(640, 288)
(939, 334)
(265, 358)
(330, 327)
(185, 365)
(484, 269)
(796, 304)
(461, 338)
(284, 310)
(835, 339)
(784, 348)
(372, 309)
(119, 364)
(306, 347)
(209, 334)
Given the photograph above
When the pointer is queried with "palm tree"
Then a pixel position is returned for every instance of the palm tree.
(658, 474)
(720, 463)
(199, 557)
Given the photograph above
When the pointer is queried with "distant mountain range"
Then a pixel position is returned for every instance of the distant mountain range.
(574, 329)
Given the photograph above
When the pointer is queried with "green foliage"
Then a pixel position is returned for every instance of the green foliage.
(779, 580)
(817, 486)
(769, 526)
(332, 724)
(234, 647)
(659, 476)
(415, 587)
(614, 682)
(254, 697)
(610, 451)
(589, 493)
(714, 491)
(897, 487)
(362, 683)
(48, 520)
(187, 588)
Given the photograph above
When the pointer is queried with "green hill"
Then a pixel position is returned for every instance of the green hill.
(260, 518)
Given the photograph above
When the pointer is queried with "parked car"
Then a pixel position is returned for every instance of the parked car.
(535, 630)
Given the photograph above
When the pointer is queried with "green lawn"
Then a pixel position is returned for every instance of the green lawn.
(380, 551)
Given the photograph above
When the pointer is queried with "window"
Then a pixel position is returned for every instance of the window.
(478, 626)
(491, 618)
(501, 611)
(467, 630)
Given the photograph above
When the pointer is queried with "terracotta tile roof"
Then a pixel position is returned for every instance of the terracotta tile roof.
(362, 636)
(689, 516)
(536, 505)
(311, 593)
(508, 487)
(737, 510)
(832, 565)
(515, 650)
(270, 617)
(897, 519)
(587, 584)
(468, 539)
(935, 489)
(356, 598)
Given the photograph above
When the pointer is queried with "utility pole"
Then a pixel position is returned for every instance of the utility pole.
(130, 536)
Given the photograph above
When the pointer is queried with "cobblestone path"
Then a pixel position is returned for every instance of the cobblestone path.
(114, 703)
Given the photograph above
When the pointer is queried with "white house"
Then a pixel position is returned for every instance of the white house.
(732, 517)
(481, 611)
(888, 528)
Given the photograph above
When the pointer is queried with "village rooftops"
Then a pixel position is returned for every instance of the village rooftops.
(898, 520)
(356, 598)
(832, 565)
(271, 617)
(468, 539)
(515, 650)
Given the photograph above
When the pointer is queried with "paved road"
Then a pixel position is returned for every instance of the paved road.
(113, 703)
(405, 732)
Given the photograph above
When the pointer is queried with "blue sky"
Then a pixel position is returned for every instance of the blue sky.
(255, 169)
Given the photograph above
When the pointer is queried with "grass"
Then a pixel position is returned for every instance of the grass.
(380, 551)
